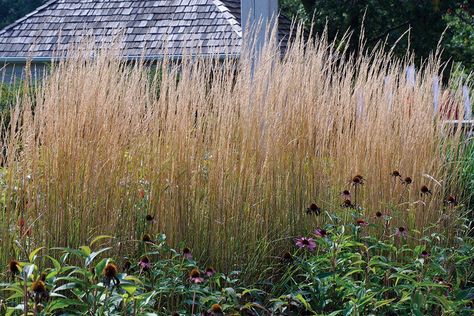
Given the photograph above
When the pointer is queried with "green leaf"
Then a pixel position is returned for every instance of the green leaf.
(96, 239)
(66, 286)
(99, 268)
(92, 256)
(59, 304)
(133, 278)
(33, 254)
(131, 289)
(86, 250)
(55, 262)
(302, 300)
(383, 303)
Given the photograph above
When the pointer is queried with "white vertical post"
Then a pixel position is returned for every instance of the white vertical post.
(411, 75)
(467, 103)
(436, 94)
(257, 16)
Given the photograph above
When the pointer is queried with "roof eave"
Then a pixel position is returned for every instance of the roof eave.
(24, 60)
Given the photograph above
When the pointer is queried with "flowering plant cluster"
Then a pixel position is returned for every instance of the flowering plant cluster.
(358, 264)
(336, 271)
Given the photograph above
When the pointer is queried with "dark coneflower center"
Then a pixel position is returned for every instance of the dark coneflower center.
(149, 218)
(216, 308)
(305, 242)
(14, 267)
(424, 253)
(195, 273)
(110, 271)
(378, 214)
(347, 203)
(452, 200)
(401, 229)
(424, 190)
(38, 287)
(395, 173)
(146, 238)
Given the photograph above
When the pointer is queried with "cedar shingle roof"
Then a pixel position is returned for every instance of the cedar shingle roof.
(156, 26)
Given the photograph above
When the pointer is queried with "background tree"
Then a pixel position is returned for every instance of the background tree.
(11, 10)
(425, 21)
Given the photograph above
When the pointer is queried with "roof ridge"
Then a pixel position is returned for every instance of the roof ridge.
(234, 23)
(37, 10)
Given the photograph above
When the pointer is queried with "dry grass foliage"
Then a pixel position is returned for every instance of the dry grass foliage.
(224, 160)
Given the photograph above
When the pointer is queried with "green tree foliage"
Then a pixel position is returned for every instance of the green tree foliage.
(417, 25)
(10, 10)
(460, 45)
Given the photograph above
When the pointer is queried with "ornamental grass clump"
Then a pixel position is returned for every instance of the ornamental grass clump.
(226, 153)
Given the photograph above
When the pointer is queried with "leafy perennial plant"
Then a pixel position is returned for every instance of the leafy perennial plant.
(338, 269)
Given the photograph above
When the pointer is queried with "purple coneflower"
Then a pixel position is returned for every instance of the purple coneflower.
(145, 264)
(216, 309)
(396, 174)
(195, 276)
(320, 232)
(38, 289)
(127, 265)
(360, 222)
(110, 274)
(346, 194)
(146, 238)
(358, 180)
(425, 254)
(347, 203)
(451, 200)
(14, 267)
(210, 271)
(424, 190)
(187, 254)
(401, 232)
(287, 257)
(305, 242)
(378, 214)
(313, 209)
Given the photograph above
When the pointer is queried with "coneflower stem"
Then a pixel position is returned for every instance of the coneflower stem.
(355, 196)
(401, 194)
(25, 293)
(194, 301)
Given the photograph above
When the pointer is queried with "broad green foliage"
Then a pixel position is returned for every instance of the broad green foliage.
(350, 271)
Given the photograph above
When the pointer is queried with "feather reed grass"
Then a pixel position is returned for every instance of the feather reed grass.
(225, 154)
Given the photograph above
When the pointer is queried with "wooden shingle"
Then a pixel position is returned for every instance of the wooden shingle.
(148, 26)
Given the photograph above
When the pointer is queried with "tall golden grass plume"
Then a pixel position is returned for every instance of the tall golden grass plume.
(230, 156)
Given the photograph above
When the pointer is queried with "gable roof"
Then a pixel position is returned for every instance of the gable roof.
(155, 27)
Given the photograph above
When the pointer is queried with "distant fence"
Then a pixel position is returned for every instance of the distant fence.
(446, 105)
